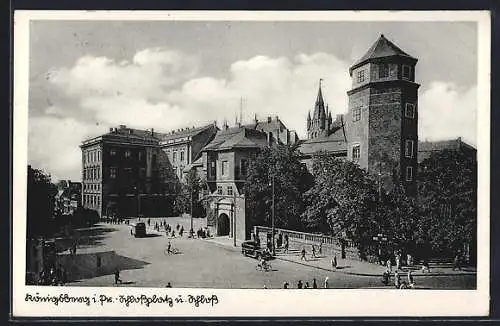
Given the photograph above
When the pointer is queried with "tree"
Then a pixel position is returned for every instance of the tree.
(40, 202)
(188, 191)
(343, 201)
(447, 193)
(291, 180)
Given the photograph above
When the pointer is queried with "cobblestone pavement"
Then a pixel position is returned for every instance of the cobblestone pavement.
(209, 263)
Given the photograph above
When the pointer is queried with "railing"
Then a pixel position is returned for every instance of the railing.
(307, 237)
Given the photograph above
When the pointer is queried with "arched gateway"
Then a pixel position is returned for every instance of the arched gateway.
(223, 225)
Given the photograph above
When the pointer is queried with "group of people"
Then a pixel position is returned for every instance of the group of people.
(53, 276)
(306, 285)
(114, 220)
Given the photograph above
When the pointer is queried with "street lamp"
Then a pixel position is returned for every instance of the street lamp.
(272, 215)
(191, 231)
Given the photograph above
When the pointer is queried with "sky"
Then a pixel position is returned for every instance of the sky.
(88, 76)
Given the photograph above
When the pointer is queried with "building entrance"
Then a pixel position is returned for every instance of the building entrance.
(223, 225)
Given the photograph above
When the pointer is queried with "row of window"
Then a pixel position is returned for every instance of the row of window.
(91, 200)
(409, 112)
(409, 150)
(174, 156)
(126, 154)
(229, 191)
(91, 187)
(92, 156)
(128, 173)
(384, 72)
(92, 173)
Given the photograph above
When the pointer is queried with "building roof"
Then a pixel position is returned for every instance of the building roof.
(237, 137)
(186, 132)
(380, 49)
(334, 143)
(269, 125)
(426, 148)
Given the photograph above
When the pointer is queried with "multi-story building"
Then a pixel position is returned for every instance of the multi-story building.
(183, 146)
(224, 164)
(68, 197)
(120, 171)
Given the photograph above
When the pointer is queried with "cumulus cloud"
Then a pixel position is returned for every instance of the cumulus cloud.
(162, 89)
(448, 111)
(53, 145)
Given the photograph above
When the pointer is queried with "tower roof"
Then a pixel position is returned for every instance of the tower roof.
(380, 49)
(319, 106)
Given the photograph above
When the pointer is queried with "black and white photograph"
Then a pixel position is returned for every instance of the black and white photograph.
(301, 155)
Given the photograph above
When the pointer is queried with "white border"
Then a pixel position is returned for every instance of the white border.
(256, 302)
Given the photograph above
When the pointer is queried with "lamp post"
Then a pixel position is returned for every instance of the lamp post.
(272, 216)
(234, 218)
(191, 231)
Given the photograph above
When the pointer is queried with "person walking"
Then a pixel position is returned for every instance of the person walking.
(299, 284)
(303, 254)
(169, 248)
(397, 279)
(286, 246)
(326, 282)
(285, 285)
(334, 262)
(389, 265)
(313, 250)
(411, 283)
(456, 263)
(117, 276)
(306, 286)
(320, 249)
(315, 285)
(168, 285)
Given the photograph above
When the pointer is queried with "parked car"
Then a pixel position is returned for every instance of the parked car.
(252, 249)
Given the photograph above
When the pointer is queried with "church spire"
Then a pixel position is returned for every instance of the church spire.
(308, 120)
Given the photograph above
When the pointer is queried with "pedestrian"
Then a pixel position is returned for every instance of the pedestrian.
(320, 250)
(397, 279)
(178, 226)
(265, 287)
(168, 285)
(408, 260)
(313, 251)
(299, 284)
(169, 248)
(173, 233)
(398, 261)
(334, 262)
(285, 285)
(117, 276)
(456, 262)
(410, 279)
(315, 285)
(326, 282)
(131, 232)
(306, 286)
(303, 254)
(389, 265)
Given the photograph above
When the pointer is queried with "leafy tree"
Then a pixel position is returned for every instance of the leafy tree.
(188, 191)
(447, 192)
(40, 202)
(281, 163)
(343, 201)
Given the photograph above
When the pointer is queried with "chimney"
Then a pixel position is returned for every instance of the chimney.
(269, 119)
(152, 131)
(111, 129)
(123, 126)
(255, 119)
(277, 118)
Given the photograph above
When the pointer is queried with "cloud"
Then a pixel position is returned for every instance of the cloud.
(53, 145)
(448, 111)
(162, 89)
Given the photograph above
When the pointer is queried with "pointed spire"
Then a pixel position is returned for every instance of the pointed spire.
(308, 120)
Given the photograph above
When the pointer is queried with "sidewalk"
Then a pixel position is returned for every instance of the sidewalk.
(346, 266)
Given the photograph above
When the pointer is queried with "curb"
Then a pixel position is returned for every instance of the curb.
(371, 274)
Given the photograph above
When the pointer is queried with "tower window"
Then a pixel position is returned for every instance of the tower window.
(219, 190)
(128, 153)
(409, 173)
(230, 190)
(409, 148)
(174, 157)
(356, 152)
(182, 156)
(223, 170)
(383, 71)
(361, 76)
(410, 110)
(406, 72)
(356, 114)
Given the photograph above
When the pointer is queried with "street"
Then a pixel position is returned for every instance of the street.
(201, 263)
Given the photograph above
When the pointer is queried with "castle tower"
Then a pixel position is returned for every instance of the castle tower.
(317, 126)
(382, 117)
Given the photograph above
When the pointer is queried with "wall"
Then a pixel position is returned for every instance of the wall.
(357, 131)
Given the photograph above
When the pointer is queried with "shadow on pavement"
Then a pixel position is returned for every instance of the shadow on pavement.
(90, 265)
(152, 235)
(85, 237)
